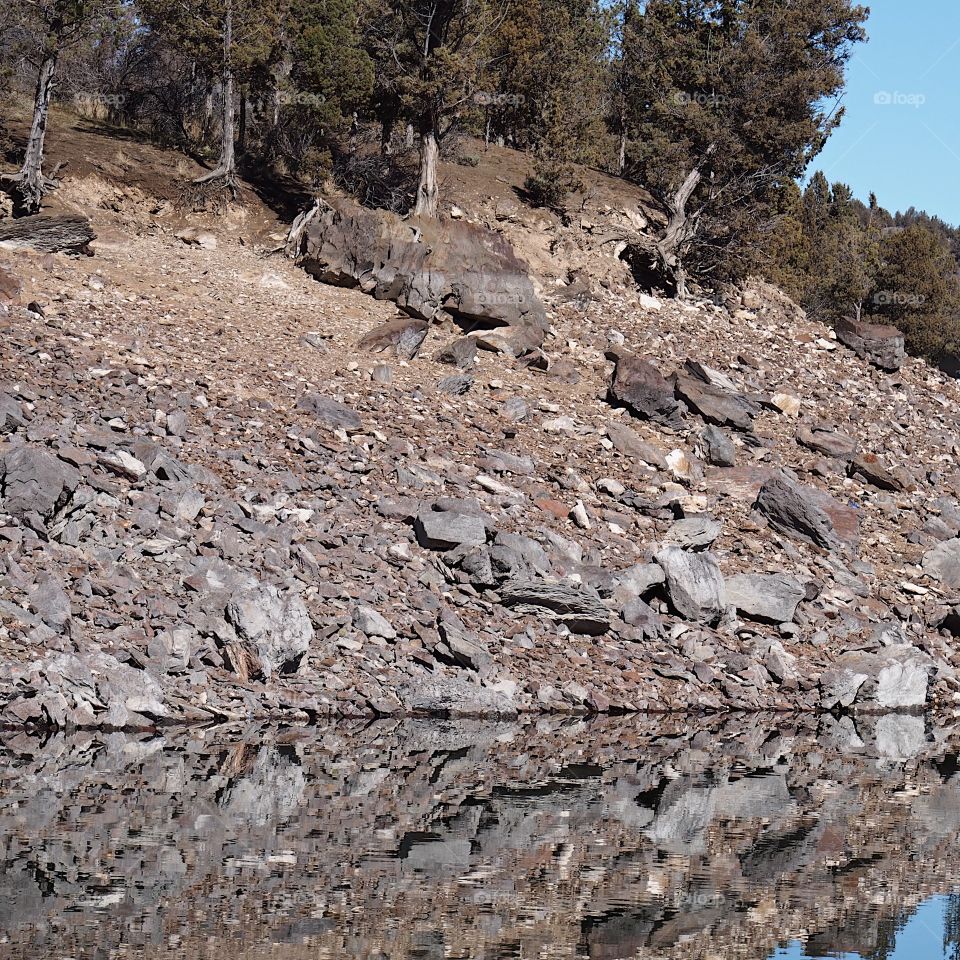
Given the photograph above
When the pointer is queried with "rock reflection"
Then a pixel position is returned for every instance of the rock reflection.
(657, 837)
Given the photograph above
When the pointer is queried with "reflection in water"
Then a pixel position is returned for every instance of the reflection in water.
(651, 838)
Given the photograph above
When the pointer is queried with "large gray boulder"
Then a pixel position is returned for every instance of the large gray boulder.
(429, 268)
(715, 404)
(942, 563)
(772, 598)
(894, 678)
(34, 484)
(579, 607)
(694, 584)
(640, 387)
(793, 509)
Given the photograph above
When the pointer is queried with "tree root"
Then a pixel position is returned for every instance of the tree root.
(27, 191)
(209, 195)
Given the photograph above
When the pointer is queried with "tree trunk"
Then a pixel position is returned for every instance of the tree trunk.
(386, 135)
(427, 191)
(408, 135)
(242, 132)
(622, 154)
(29, 184)
(679, 230)
(226, 167)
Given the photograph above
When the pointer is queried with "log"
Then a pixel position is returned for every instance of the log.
(46, 233)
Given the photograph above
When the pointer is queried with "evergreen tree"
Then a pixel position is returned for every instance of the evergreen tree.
(727, 104)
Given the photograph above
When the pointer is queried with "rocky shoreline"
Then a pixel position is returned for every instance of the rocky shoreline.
(215, 506)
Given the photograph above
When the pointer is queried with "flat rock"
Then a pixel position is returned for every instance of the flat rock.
(715, 404)
(403, 337)
(827, 440)
(694, 532)
(793, 509)
(330, 412)
(579, 607)
(643, 390)
(446, 530)
(770, 598)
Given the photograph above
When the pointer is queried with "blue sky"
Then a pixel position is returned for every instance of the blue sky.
(901, 133)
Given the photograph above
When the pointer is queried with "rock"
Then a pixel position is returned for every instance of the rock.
(11, 414)
(196, 237)
(34, 484)
(455, 386)
(714, 446)
(49, 601)
(644, 618)
(883, 346)
(869, 468)
(10, 287)
(461, 353)
(639, 580)
(446, 530)
(826, 440)
(643, 390)
(793, 510)
(331, 413)
(942, 563)
(372, 624)
(715, 404)
(694, 532)
(123, 464)
(694, 584)
(628, 442)
(769, 598)
(428, 267)
(893, 678)
(579, 607)
(463, 648)
(787, 404)
(403, 336)
(273, 628)
(448, 696)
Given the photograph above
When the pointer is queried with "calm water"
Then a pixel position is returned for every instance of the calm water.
(748, 838)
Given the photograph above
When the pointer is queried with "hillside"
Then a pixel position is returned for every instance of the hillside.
(214, 505)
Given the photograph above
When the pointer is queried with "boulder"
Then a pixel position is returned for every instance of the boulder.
(881, 345)
(715, 404)
(769, 598)
(828, 441)
(446, 530)
(403, 337)
(942, 563)
(330, 412)
(793, 509)
(640, 387)
(893, 678)
(373, 624)
(716, 448)
(694, 532)
(34, 484)
(577, 606)
(10, 287)
(694, 584)
(273, 630)
(429, 268)
(869, 468)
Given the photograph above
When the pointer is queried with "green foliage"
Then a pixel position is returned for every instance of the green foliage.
(739, 91)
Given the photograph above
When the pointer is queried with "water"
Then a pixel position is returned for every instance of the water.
(657, 838)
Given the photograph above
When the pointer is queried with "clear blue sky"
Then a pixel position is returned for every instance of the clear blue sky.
(900, 136)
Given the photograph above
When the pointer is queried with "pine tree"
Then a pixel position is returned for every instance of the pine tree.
(727, 104)
(50, 28)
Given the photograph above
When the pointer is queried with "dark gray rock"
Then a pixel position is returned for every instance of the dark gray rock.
(446, 530)
(793, 509)
(644, 618)
(714, 404)
(330, 412)
(34, 484)
(716, 448)
(463, 648)
(694, 584)
(403, 337)
(461, 353)
(769, 598)
(641, 388)
(456, 385)
(826, 440)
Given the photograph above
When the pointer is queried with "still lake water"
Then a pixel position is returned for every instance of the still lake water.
(758, 837)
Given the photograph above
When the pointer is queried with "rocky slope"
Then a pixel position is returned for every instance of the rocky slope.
(215, 504)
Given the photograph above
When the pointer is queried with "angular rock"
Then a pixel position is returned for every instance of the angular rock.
(826, 440)
(770, 598)
(881, 345)
(694, 532)
(643, 390)
(942, 563)
(372, 624)
(34, 483)
(579, 607)
(272, 627)
(869, 468)
(330, 412)
(714, 446)
(715, 404)
(447, 530)
(403, 337)
(694, 584)
(793, 509)
(461, 353)
(893, 678)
